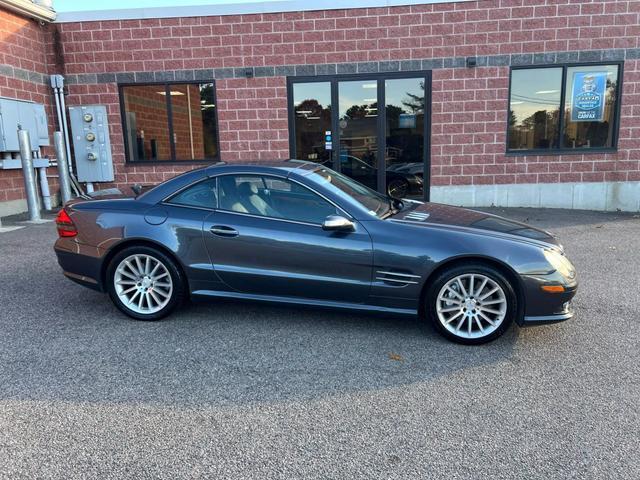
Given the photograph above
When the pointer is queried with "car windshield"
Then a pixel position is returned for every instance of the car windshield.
(375, 202)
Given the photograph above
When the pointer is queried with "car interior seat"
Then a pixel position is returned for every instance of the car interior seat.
(229, 199)
(250, 199)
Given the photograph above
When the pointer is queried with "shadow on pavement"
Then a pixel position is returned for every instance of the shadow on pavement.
(63, 342)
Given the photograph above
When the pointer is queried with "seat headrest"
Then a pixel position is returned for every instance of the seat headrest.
(227, 185)
(247, 189)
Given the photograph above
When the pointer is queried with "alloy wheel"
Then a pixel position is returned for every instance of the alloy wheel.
(471, 306)
(397, 189)
(143, 284)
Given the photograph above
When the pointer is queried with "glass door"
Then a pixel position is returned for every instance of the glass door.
(358, 130)
(312, 121)
(404, 153)
(338, 121)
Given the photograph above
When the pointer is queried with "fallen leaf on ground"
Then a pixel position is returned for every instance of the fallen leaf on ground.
(396, 357)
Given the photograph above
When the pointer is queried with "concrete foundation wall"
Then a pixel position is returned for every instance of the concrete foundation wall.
(609, 196)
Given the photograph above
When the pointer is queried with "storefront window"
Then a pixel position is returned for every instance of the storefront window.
(534, 113)
(170, 122)
(597, 89)
(588, 120)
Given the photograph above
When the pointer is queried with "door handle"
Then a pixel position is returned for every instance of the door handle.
(223, 231)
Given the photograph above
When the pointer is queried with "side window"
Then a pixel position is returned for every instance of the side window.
(202, 194)
(273, 197)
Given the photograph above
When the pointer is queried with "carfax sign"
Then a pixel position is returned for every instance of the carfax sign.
(587, 96)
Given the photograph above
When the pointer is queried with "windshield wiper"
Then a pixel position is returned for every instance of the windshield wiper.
(393, 208)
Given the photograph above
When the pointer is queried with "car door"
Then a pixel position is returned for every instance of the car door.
(266, 238)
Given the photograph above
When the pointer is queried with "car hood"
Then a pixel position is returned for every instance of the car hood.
(438, 214)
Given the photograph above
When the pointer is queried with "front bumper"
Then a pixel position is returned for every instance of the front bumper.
(542, 307)
(548, 319)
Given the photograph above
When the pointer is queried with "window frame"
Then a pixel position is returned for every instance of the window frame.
(169, 199)
(167, 85)
(561, 150)
(263, 175)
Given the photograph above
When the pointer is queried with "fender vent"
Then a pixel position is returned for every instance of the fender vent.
(416, 216)
(396, 278)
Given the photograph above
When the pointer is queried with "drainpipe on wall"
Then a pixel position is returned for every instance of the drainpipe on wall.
(57, 84)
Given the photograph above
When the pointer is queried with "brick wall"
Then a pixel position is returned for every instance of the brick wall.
(23, 71)
(469, 105)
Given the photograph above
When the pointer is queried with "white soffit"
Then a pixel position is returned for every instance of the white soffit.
(252, 7)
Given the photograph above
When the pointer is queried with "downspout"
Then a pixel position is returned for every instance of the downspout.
(57, 84)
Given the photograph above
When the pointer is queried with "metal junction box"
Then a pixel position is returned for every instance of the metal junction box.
(91, 144)
(29, 116)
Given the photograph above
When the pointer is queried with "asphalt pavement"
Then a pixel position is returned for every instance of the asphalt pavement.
(245, 390)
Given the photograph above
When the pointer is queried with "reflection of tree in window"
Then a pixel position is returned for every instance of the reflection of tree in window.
(405, 124)
(361, 111)
(208, 108)
(534, 108)
(312, 120)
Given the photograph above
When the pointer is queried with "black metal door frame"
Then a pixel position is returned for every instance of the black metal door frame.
(381, 119)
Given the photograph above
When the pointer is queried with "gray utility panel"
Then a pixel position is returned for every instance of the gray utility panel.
(91, 145)
(29, 116)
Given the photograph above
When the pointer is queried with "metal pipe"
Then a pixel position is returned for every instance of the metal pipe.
(44, 188)
(63, 167)
(44, 182)
(29, 177)
(65, 127)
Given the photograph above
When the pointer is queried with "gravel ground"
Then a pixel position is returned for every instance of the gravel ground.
(241, 390)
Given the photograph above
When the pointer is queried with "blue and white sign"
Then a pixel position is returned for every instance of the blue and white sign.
(587, 96)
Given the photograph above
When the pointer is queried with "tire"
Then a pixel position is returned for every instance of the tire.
(153, 297)
(398, 188)
(470, 314)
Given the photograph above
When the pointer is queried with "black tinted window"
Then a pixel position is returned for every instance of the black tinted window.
(588, 118)
(201, 194)
(272, 197)
(170, 122)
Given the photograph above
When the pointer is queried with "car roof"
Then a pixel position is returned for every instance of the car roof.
(261, 167)
(264, 166)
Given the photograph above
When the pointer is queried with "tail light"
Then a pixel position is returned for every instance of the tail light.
(66, 227)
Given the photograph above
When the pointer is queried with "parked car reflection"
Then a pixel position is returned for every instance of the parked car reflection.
(400, 184)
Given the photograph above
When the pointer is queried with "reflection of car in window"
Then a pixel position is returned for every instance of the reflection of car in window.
(414, 168)
(400, 184)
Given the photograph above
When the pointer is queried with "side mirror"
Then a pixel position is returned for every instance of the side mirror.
(338, 223)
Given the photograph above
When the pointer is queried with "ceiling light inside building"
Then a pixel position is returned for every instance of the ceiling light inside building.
(546, 92)
(173, 93)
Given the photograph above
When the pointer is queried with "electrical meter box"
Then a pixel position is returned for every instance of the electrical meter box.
(91, 144)
(28, 116)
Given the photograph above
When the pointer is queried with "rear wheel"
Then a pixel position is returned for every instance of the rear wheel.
(471, 304)
(145, 283)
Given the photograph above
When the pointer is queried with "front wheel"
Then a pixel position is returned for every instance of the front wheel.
(471, 304)
(144, 283)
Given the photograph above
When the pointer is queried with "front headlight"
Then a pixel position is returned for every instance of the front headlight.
(560, 263)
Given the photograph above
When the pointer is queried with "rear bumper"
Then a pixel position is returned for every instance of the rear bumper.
(81, 267)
